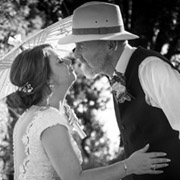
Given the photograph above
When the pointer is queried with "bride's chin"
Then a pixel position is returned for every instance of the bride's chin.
(73, 79)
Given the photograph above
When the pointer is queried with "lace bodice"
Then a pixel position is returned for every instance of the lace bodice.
(36, 164)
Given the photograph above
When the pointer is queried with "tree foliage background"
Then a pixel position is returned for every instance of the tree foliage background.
(157, 22)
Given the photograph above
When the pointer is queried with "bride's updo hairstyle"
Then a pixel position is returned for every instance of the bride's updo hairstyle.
(30, 72)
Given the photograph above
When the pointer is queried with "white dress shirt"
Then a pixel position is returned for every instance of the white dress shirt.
(160, 83)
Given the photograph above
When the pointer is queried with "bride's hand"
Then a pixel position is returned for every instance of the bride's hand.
(141, 162)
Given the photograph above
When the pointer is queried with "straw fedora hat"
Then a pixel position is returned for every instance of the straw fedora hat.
(97, 21)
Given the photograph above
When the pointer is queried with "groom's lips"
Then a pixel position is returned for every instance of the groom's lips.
(82, 60)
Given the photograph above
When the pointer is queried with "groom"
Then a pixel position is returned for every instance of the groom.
(145, 85)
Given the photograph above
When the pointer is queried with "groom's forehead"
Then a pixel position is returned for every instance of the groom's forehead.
(81, 43)
(87, 43)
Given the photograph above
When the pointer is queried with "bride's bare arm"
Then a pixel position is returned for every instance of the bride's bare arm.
(57, 144)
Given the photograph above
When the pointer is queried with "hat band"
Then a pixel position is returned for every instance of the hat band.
(101, 30)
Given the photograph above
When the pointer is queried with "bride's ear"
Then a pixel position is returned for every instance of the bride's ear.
(50, 84)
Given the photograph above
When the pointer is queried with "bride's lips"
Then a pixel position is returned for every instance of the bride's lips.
(71, 69)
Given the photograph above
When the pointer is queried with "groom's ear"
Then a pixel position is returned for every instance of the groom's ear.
(112, 46)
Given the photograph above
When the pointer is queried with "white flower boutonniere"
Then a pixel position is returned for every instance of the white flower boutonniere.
(118, 84)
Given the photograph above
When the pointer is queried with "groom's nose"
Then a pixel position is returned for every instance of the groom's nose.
(76, 53)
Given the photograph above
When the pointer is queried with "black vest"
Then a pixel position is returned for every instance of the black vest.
(140, 123)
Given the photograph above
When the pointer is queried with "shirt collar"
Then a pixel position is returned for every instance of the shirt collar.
(124, 58)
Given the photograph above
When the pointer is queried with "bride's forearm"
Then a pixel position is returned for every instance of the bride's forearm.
(114, 172)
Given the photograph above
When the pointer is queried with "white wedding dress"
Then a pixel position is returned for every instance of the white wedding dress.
(30, 159)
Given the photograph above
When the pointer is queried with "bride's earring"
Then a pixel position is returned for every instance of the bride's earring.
(48, 99)
(49, 96)
(51, 85)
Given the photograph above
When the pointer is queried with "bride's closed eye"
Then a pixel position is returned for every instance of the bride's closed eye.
(60, 60)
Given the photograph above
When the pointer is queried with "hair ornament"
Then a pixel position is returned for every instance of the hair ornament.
(27, 88)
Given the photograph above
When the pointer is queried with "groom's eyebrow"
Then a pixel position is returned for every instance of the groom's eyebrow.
(79, 45)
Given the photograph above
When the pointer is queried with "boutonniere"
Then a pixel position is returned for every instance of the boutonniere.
(118, 85)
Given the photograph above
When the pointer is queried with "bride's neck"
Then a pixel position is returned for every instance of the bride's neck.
(58, 95)
(54, 99)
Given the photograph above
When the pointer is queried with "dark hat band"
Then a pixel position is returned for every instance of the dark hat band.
(101, 30)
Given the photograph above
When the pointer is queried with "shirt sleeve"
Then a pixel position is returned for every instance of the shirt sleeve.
(161, 84)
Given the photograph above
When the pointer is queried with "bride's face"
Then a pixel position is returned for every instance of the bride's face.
(61, 68)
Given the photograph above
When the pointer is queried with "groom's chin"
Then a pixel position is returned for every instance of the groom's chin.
(88, 72)
(90, 76)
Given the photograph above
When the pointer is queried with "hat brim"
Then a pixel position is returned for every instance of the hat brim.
(71, 38)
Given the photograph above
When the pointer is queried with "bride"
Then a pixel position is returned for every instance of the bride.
(44, 148)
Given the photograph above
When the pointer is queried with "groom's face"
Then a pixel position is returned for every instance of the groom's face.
(92, 56)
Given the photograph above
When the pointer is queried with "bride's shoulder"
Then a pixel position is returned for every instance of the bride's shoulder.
(48, 111)
(50, 116)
